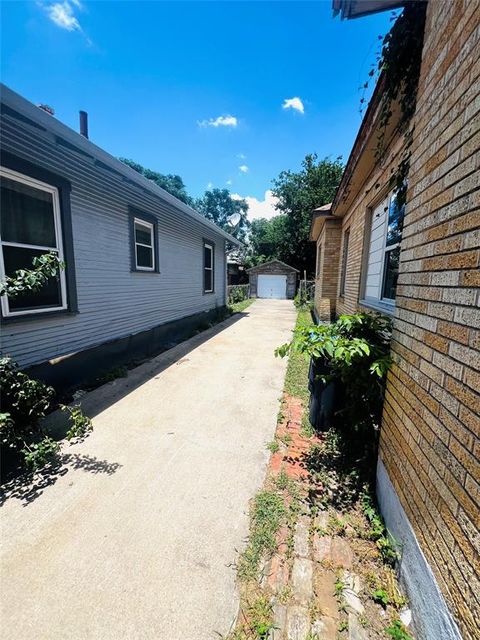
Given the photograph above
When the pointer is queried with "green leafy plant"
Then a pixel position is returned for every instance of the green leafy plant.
(339, 587)
(355, 353)
(109, 376)
(38, 454)
(25, 402)
(342, 626)
(397, 631)
(238, 293)
(381, 597)
(45, 267)
(80, 424)
(378, 532)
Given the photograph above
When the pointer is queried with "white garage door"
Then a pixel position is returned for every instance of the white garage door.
(272, 286)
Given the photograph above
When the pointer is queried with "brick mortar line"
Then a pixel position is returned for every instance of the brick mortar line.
(442, 167)
(436, 437)
(427, 84)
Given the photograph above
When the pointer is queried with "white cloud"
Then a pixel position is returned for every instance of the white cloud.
(229, 182)
(293, 103)
(243, 168)
(62, 14)
(259, 208)
(241, 156)
(210, 185)
(221, 121)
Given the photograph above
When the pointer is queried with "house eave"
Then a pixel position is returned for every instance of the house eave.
(364, 155)
(349, 9)
(49, 123)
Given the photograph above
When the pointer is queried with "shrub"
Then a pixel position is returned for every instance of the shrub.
(355, 352)
(25, 402)
(238, 293)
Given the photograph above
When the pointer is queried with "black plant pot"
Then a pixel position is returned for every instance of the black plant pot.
(326, 398)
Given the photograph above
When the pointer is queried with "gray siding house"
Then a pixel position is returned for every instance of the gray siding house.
(141, 267)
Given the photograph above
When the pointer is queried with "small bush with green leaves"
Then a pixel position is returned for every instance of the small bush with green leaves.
(80, 424)
(355, 350)
(238, 293)
(25, 402)
(38, 454)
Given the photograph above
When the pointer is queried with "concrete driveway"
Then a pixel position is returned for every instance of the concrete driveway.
(135, 535)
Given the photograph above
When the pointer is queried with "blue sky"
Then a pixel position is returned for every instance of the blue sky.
(223, 93)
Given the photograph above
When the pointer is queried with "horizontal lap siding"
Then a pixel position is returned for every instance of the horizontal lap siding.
(430, 434)
(113, 302)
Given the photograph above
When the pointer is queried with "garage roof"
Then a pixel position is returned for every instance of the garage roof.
(258, 267)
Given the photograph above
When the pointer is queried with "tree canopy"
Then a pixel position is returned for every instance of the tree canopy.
(170, 182)
(298, 194)
(218, 206)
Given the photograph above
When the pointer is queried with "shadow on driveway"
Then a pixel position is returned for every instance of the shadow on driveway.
(27, 487)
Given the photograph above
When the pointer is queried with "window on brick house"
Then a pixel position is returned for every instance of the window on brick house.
(343, 274)
(319, 258)
(384, 251)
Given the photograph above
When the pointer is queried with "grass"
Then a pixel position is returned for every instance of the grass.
(267, 516)
(296, 378)
(238, 307)
(273, 446)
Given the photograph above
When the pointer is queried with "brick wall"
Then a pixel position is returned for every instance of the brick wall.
(326, 280)
(430, 442)
(373, 189)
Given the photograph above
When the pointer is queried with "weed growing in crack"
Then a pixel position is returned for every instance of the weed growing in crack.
(397, 631)
(273, 446)
(268, 515)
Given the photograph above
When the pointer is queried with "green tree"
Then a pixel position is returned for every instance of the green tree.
(299, 193)
(218, 206)
(170, 182)
(268, 238)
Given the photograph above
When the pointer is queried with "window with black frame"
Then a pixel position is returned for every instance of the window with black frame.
(30, 227)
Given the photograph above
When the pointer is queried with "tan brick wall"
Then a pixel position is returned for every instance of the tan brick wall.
(326, 280)
(430, 435)
(374, 188)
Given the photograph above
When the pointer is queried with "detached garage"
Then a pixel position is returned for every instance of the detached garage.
(273, 279)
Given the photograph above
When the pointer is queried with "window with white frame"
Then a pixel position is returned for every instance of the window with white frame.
(384, 251)
(319, 259)
(343, 272)
(144, 245)
(208, 268)
(30, 227)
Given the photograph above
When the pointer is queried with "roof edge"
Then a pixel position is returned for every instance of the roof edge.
(258, 266)
(50, 123)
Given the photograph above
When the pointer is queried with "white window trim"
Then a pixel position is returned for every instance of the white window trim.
(344, 259)
(379, 303)
(150, 226)
(42, 186)
(206, 245)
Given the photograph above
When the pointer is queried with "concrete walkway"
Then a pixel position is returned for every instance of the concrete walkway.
(136, 534)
